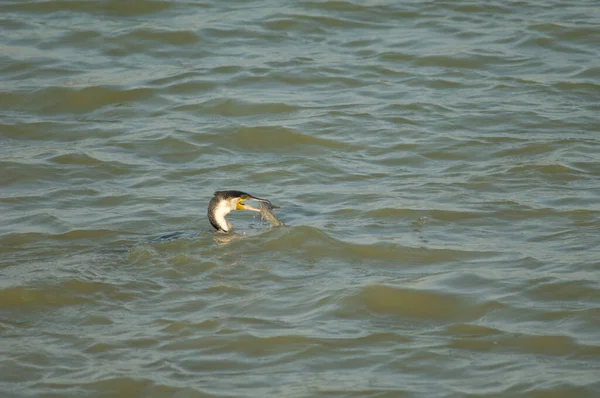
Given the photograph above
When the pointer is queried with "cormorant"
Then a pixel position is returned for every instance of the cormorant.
(225, 202)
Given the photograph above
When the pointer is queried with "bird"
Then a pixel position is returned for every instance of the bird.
(224, 202)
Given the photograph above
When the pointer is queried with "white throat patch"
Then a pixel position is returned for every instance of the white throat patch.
(222, 209)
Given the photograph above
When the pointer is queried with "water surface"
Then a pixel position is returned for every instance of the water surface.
(436, 164)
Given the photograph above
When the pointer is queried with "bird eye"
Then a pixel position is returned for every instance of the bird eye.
(243, 197)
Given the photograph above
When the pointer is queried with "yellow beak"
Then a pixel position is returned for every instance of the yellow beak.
(241, 206)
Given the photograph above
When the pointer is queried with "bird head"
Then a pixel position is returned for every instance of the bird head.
(237, 200)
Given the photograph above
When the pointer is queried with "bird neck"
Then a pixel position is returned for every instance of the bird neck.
(217, 216)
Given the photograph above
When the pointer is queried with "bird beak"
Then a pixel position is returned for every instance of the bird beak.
(243, 206)
(265, 201)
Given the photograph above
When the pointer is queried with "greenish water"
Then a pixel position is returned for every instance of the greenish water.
(436, 164)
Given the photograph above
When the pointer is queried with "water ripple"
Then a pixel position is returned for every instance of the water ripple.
(435, 164)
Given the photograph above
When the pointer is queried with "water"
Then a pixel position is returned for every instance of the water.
(436, 164)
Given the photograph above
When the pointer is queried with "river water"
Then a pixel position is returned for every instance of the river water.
(436, 164)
